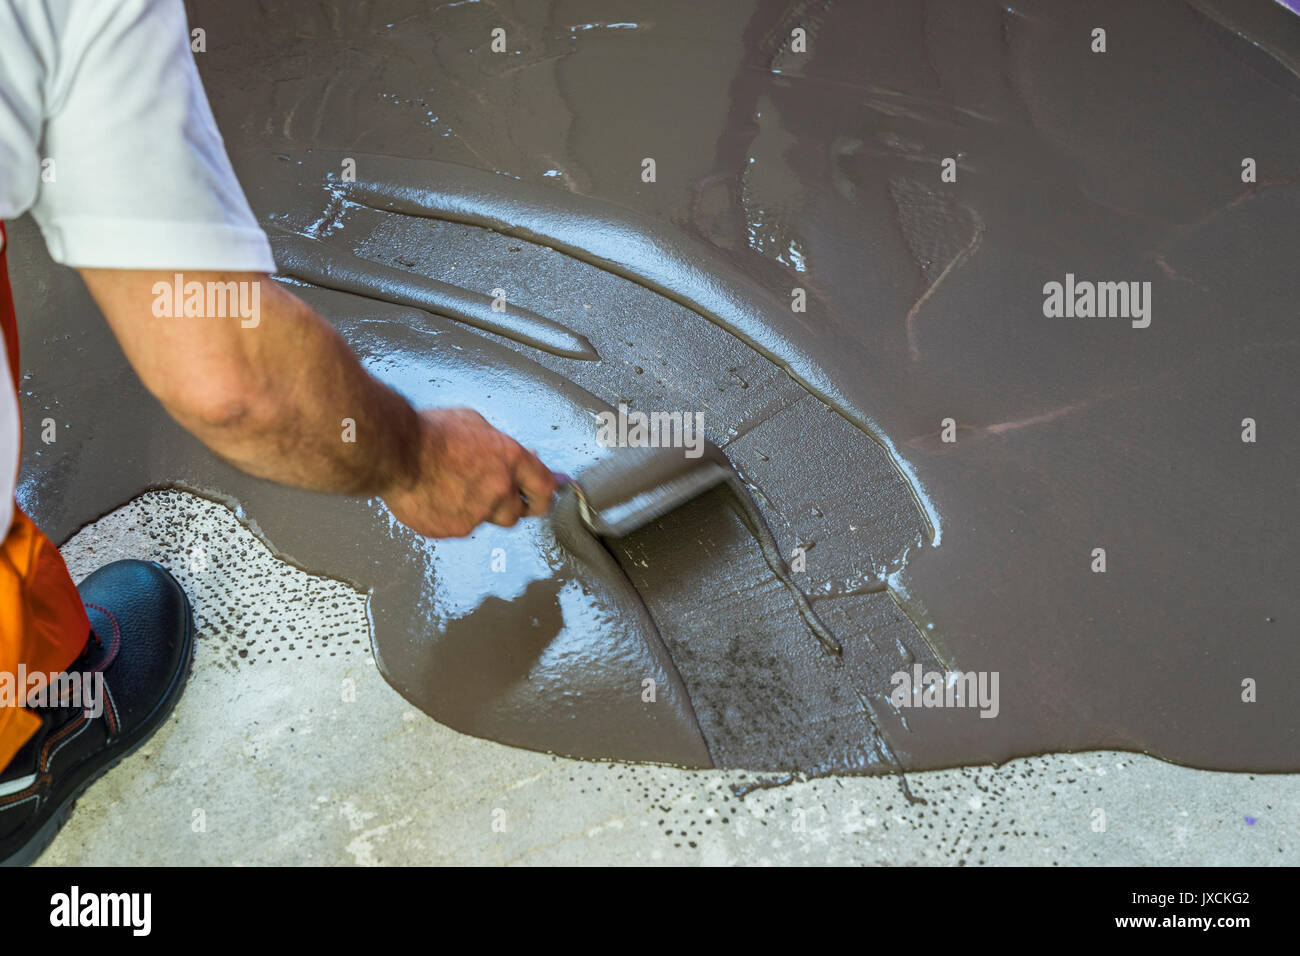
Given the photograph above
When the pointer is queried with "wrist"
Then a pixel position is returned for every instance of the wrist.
(409, 446)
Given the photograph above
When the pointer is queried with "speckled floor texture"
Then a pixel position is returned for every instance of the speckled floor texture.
(289, 748)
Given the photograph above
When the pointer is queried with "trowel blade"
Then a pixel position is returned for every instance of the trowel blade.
(634, 486)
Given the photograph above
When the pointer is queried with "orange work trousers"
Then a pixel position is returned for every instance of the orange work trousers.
(42, 622)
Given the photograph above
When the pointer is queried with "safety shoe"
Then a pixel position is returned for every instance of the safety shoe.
(130, 676)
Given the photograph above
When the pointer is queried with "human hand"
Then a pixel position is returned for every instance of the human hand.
(468, 473)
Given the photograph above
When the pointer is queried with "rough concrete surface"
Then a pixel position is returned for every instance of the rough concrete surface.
(289, 748)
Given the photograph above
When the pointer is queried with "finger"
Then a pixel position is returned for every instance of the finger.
(561, 479)
(508, 511)
(536, 483)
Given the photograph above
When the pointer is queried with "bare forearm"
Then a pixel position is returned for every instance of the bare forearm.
(319, 421)
(284, 399)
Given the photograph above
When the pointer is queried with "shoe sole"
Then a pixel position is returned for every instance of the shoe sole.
(50, 820)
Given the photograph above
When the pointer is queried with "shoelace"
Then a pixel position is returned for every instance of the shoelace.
(110, 655)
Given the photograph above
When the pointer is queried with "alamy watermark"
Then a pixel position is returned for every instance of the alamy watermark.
(1085, 299)
(922, 688)
(58, 689)
(628, 429)
(133, 911)
(209, 300)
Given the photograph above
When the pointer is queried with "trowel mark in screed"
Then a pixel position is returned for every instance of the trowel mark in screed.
(612, 238)
(941, 235)
(686, 362)
(749, 400)
(839, 491)
(328, 265)
(767, 693)
(749, 403)
(935, 228)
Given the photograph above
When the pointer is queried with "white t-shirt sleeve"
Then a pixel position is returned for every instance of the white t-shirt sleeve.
(107, 136)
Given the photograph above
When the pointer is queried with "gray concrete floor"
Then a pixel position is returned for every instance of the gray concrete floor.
(289, 748)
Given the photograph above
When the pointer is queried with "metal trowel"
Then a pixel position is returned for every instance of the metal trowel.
(634, 486)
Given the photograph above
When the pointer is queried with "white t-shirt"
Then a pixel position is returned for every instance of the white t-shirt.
(106, 137)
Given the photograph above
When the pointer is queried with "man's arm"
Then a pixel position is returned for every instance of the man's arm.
(271, 400)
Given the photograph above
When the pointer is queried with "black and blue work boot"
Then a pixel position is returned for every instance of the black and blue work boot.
(130, 675)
